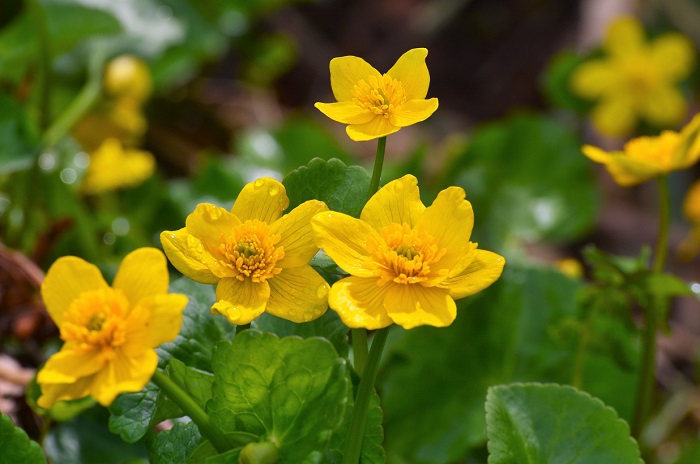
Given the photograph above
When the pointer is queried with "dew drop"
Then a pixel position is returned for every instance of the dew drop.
(274, 190)
(259, 183)
(214, 214)
(172, 236)
(194, 244)
(292, 312)
(308, 316)
(322, 291)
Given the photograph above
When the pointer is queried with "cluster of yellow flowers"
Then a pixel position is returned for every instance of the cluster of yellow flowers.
(407, 263)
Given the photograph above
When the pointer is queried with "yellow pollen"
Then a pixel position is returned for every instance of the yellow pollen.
(406, 256)
(251, 251)
(381, 95)
(97, 319)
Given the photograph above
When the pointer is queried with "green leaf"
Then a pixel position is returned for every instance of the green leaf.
(552, 424)
(173, 446)
(328, 326)
(200, 331)
(527, 180)
(195, 382)
(289, 391)
(343, 188)
(18, 136)
(131, 414)
(15, 445)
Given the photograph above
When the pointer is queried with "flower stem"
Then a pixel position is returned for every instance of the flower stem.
(38, 16)
(378, 163)
(359, 349)
(645, 387)
(353, 445)
(192, 409)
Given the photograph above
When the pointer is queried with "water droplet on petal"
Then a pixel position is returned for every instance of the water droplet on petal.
(259, 183)
(191, 241)
(308, 316)
(214, 214)
(292, 312)
(322, 291)
(274, 190)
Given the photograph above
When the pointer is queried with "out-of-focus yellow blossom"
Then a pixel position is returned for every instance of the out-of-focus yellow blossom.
(635, 79)
(644, 158)
(690, 246)
(571, 267)
(112, 167)
(109, 333)
(375, 105)
(128, 76)
(407, 263)
(258, 258)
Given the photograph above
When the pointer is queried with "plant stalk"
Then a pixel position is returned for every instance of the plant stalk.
(359, 349)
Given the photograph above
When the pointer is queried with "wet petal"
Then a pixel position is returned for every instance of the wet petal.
(298, 295)
(241, 301)
(296, 235)
(398, 202)
(344, 238)
(360, 303)
(377, 127)
(346, 112)
(413, 305)
(65, 281)
(346, 72)
(156, 320)
(484, 269)
(410, 69)
(143, 273)
(413, 111)
(209, 224)
(182, 250)
(263, 199)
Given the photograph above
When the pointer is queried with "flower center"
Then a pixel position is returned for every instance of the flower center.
(405, 256)
(97, 319)
(381, 95)
(641, 77)
(251, 251)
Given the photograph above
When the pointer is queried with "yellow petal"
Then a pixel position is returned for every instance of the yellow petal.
(614, 116)
(398, 202)
(665, 106)
(66, 280)
(112, 167)
(593, 79)
(598, 155)
(674, 55)
(377, 127)
(296, 236)
(51, 393)
(413, 305)
(68, 365)
(410, 69)
(449, 220)
(142, 273)
(298, 294)
(628, 171)
(346, 72)
(156, 320)
(346, 112)
(124, 374)
(360, 303)
(344, 238)
(241, 301)
(691, 204)
(263, 199)
(413, 111)
(208, 223)
(624, 36)
(485, 269)
(688, 151)
(178, 247)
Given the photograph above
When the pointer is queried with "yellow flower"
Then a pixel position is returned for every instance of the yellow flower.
(571, 267)
(374, 105)
(258, 258)
(109, 332)
(635, 79)
(690, 246)
(407, 263)
(128, 76)
(112, 167)
(644, 158)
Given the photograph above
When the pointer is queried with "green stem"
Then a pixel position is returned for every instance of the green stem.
(79, 106)
(378, 163)
(44, 50)
(652, 308)
(580, 356)
(353, 445)
(359, 349)
(664, 221)
(192, 409)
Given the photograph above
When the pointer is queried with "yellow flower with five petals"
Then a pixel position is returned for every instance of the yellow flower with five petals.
(109, 332)
(258, 258)
(635, 79)
(644, 158)
(407, 263)
(375, 105)
(112, 167)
